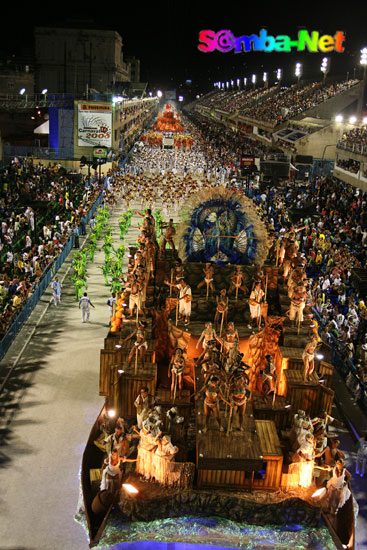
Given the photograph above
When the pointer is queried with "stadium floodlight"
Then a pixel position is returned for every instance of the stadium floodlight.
(117, 99)
(363, 56)
(245, 81)
(180, 98)
(298, 71)
(232, 82)
(339, 118)
(150, 94)
(159, 93)
(265, 77)
(353, 119)
(253, 79)
(279, 74)
(238, 82)
(364, 120)
(227, 83)
(22, 91)
(324, 65)
(44, 91)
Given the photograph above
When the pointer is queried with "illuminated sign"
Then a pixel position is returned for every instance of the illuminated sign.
(94, 125)
(224, 41)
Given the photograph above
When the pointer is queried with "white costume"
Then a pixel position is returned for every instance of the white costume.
(185, 303)
(257, 296)
(167, 451)
(84, 306)
(111, 477)
(56, 286)
(296, 310)
(337, 490)
(143, 407)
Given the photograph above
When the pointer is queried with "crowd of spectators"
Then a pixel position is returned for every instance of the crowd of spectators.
(355, 140)
(41, 207)
(234, 100)
(307, 129)
(275, 108)
(287, 145)
(225, 145)
(349, 165)
(289, 102)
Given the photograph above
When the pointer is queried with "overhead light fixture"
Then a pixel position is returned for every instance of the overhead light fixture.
(339, 118)
(111, 413)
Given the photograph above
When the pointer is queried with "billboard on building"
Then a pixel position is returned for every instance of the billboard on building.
(94, 125)
(247, 160)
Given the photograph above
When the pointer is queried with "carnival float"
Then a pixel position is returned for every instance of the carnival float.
(217, 387)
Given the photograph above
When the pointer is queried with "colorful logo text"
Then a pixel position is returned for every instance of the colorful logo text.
(225, 41)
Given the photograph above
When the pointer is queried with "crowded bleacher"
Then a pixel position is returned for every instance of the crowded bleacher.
(41, 207)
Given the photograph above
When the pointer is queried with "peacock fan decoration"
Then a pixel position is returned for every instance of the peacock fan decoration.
(222, 227)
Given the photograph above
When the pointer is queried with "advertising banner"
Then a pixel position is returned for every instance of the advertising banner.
(94, 125)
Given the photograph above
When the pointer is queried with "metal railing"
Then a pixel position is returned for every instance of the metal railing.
(47, 153)
(344, 365)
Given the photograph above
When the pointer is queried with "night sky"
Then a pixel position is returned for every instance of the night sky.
(164, 35)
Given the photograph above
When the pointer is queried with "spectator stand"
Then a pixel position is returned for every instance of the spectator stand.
(46, 278)
(345, 368)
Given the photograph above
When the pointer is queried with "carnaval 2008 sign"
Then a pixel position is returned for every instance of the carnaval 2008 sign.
(94, 125)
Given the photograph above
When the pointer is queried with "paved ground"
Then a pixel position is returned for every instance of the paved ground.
(48, 411)
(49, 408)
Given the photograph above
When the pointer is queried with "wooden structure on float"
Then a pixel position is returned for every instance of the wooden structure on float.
(265, 408)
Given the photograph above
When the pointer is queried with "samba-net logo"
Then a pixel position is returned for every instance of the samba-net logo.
(225, 41)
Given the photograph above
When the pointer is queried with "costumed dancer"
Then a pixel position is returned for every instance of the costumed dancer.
(168, 236)
(308, 358)
(208, 279)
(255, 300)
(239, 393)
(144, 404)
(338, 491)
(237, 281)
(221, 310)
(140, 345)
(207, 335)
(269, 382)
(213, 395)
(184, 298)
(56, 286)
(230, 336)
(177, 368)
